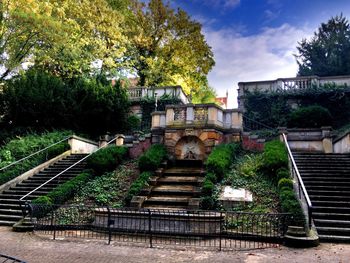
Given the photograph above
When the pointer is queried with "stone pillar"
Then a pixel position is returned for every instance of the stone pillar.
(119, 139)
(327, 139)
(212, 115)
(237, 120)
(169, 116)
(282, 130)
(103, 141)
(189, 115)
(155, 120)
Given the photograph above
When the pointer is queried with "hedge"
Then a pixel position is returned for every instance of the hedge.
(152, 158)
(275, 157)
(137, 185)
(106, 159)
(313, 116)
(64, 191)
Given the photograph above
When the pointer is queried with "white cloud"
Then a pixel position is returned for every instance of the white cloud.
(268, 55)
(220, 3)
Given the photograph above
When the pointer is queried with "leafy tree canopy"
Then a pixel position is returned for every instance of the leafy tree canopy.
(327, 53)
(167, 47)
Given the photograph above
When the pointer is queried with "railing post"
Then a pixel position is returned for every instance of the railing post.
(52, 224)
(109, 226)
(220, 233)
(150, 228)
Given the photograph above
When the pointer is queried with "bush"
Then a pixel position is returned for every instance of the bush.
(285, 183)
(249, 165)
(290, 204)
(310, 117)
(64, 191)
(152, 158)
(106, 159)
(57, 150)
(211, 177)
(23, 146)
(208, 187)
(137, 185)
(220, 159)
(133, 122)
(208, 203)
(275, 157)
(282, 173)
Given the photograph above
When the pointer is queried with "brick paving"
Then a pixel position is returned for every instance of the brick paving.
(35, 249)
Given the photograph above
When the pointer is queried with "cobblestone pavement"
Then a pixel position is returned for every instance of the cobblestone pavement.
(34, 249)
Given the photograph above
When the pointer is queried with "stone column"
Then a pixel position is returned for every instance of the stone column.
(327, 139)
(169, 116)
(189, 114)
(119, 139)
(282, 130)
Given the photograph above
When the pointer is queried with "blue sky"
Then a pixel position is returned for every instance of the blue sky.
(256, 39)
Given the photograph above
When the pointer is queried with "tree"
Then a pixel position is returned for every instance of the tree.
(63, 37)
(328, 52)
(206, 94)
(167, 47)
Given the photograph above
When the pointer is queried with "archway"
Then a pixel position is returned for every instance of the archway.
(189, 148)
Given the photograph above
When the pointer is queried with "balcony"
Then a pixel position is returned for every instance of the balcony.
(197, 116)
(138, 93)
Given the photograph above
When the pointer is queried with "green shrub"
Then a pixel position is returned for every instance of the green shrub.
(282, 173)
(65, 191)
(152, 158)
(208, 203)
(57, 150)
(133, 122)
(275, 157)
(211, 176)
(285, 183)
(313, 116)
(290, 204)
(106, 159)
(249, 165)
(23, 146)
(138, 185)
(208, 187)
(220, 159)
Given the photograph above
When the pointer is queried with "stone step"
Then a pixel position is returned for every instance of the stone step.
(154, 200)
(330, 203)
(327, 188)
(327, 183)
(28, 189)
(4, 205)
(332, 223)
(331, 216)
(328, 198)
(165, 207)
(9, 201)
(6, 223)
(330, 209)
(334, 238)
(322, 172)
(11, 212)
(10, 196)
(189, 163)
(13, 218)
(317, 179)
(24, 192)
(178, 180)
(333, 231)
(184, 172)
(329, 193)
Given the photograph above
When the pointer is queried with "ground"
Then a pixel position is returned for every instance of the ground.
(34, 249)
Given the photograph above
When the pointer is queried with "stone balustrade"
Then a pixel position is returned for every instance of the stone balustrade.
(288, 84)
(137, 93)
(200, 115)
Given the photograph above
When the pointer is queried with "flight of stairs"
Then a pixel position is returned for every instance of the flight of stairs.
(327, 181)
(177, 186)
(10, 211)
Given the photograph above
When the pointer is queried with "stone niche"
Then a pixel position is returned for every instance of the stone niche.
(190, 148)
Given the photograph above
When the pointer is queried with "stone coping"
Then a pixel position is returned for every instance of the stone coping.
(83, 139)
(340, 137)
(212, 105)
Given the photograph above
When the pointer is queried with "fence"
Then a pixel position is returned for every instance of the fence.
(154, 228)
(8, 259)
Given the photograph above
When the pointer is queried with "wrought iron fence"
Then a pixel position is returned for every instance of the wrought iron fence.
(8, 259)
(160, 227)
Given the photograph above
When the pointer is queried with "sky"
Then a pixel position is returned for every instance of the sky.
(255, 40)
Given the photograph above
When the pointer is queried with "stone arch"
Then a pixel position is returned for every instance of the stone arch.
(190, 148)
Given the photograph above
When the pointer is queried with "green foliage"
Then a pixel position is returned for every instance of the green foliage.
(208, 203)
(285, 183)
(208, 187)
(211, 177)
(249, 165)
(133, 123)
(106, 159)
(57, 149)
(65, 191)
(220, 159)
(327, 52)
(137, 185)
(40, 100)
(290, 204)
(282, 173)
(24, 146)
(275, 157)
(313, 116)
(152, 158)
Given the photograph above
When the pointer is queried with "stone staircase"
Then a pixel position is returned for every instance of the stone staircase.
(327, 181)
(10, 211)
(177, 187)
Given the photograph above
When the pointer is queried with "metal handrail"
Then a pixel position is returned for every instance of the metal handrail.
(37, 152)
(300, 180)
(65, 170)
(258, 123)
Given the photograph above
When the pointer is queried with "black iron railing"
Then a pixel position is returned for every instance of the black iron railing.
(159, 227)
(301, 190)
(8, 259)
